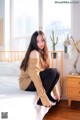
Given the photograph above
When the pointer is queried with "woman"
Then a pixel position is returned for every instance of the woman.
(36, 74)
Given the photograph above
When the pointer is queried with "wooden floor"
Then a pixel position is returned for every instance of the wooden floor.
(62, 112)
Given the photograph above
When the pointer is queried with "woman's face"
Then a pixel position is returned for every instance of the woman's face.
(40, 42)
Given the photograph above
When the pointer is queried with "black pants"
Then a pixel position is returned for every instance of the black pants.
(49, 78)
(31, 87)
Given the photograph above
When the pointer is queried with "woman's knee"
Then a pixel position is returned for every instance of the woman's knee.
(50, 72)
(57, 71)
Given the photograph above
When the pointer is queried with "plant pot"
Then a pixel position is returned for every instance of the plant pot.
(65, 49)
(54, 55)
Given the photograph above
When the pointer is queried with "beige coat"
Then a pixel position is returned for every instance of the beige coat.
(32, 73)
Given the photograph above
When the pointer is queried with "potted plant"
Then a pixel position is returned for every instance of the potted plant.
(66, 43)
(76, 45)
(54, 43)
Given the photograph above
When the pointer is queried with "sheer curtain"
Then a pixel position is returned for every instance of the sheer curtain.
(24, 22)
(56, 17)
(46, 15)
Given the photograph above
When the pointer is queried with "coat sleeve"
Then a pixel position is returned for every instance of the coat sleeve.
(33, 71)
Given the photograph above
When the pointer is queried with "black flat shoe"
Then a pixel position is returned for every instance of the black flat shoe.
(39, 102)
(52, 99)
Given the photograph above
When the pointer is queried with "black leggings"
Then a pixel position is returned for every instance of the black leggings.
(49, 78)
(31, 87)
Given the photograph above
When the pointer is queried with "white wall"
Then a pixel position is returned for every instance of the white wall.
(2, 15)
(2, 6)
(75, 32)
(75, 26)
(75, 20)
(5, 15)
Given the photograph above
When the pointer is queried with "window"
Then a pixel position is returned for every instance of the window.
(24, 22)
(56, 17)
(30, 15)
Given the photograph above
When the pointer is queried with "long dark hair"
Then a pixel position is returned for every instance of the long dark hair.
(33, 46)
